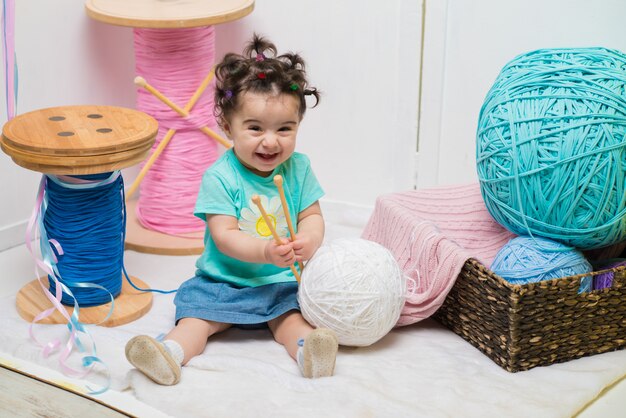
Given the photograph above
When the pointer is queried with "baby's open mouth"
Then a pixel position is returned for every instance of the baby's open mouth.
(266, 157)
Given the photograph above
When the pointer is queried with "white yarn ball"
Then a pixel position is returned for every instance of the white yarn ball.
(355, 288)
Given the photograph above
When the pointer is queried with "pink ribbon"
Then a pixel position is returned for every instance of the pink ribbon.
(8, 56)
(46, 263)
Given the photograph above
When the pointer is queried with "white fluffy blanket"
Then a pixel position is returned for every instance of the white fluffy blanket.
(421, 370)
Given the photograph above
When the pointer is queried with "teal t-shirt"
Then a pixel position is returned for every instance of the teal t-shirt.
(226, 189)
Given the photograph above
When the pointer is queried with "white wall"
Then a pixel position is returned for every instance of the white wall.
(62, 59)
(467, 42)
(363, 55)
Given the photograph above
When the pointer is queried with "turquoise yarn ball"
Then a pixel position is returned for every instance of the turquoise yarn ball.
(550, 149)
(533, 259)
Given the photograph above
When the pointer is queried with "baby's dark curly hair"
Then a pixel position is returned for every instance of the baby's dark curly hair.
(259, 70)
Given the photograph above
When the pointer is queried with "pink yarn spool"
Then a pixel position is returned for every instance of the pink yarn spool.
(174, 53)
(175, 62)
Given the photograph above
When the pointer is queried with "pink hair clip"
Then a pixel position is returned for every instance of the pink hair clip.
(260, 57)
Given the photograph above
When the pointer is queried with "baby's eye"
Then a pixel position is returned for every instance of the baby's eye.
(285, 129)
(254, 128)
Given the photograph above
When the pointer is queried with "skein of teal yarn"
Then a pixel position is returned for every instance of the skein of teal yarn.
(551, 147)
(533, 259)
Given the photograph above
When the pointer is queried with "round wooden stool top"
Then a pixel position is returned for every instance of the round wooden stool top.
(79, 139)
(167, 13)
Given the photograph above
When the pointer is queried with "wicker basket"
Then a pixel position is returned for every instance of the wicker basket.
(523, 326)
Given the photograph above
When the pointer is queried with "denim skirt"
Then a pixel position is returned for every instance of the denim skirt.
(247, 307)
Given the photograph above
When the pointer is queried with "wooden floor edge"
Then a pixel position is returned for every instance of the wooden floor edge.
(66, 388)
(600, 394)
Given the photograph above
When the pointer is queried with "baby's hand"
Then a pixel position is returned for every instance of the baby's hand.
(304, 247)
(281, 255)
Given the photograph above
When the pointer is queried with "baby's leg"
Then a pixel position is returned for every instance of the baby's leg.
(315, 350)
(288, 329)
(161, 361)
(192, 335)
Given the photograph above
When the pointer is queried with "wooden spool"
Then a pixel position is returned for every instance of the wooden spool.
(74, 140)
(130, 304)
(167, 14)
(164, 14)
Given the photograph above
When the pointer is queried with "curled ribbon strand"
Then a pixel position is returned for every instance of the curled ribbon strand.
(8, 56)
(47, 262)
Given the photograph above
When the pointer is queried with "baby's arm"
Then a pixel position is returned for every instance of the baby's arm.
(237, 244)
(310, 232)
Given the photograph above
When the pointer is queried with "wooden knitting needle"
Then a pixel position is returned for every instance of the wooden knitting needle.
(209, 132)
(141, 82)
(170, 133)
(159, 149)
(278, 181)
(257, 201)
(201, 88)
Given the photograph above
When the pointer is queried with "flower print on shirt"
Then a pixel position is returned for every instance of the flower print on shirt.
(252, 221)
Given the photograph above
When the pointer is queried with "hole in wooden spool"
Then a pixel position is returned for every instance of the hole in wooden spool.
(65, 133)
(94, 116)
(56, 118)
(104, 130)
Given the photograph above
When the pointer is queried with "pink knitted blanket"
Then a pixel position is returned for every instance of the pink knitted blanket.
(431, 233)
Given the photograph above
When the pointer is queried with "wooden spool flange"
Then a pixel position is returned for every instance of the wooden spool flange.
(74, 140)
(129, 305)
(167, 13)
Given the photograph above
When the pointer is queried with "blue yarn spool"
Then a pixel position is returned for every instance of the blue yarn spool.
(551, 151)
(89, 224)
(533, 259)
